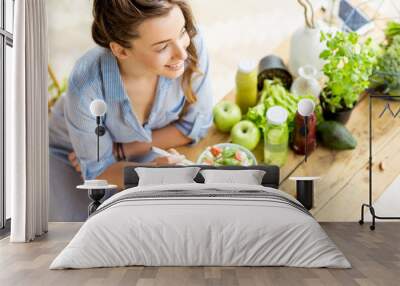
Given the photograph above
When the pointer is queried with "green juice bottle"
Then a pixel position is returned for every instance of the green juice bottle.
(246, 85)
(276, 137)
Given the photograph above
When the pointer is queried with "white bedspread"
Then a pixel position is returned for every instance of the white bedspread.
(182, 231)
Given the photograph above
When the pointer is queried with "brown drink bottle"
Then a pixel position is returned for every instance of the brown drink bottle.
(305, 127)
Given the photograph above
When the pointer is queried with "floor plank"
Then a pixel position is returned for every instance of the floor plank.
(374, 255)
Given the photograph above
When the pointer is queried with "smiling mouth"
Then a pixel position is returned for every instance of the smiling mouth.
(176, 67)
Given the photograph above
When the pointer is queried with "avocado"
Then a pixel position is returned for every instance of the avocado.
(335, 135)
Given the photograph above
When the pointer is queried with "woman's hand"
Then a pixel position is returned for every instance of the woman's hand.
(74, 161)
(173, 159)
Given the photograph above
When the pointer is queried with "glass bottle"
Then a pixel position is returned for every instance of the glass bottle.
(246, 85)
(305, 128)
(307, 82)
(276, 137)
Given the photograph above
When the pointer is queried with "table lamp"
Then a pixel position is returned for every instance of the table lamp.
(98, 108)
(97, 188)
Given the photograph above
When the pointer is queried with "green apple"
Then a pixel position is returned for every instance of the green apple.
(226, 115)
(246, 133)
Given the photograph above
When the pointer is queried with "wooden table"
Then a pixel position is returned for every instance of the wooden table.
(344, 187)
(214, 137)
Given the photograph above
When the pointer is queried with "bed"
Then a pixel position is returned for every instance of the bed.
(201, 224)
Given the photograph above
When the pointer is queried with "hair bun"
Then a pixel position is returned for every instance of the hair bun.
(99, 36)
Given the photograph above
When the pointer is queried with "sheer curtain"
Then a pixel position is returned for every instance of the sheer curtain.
(27, 130)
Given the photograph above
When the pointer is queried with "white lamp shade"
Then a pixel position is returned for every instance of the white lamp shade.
(98, 107)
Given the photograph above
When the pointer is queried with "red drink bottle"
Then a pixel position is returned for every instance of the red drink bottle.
(305, 128)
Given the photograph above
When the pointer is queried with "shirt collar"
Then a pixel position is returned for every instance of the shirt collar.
(114, 88)
(112, 81)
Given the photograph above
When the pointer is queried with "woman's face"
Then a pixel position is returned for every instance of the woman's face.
(161, 46)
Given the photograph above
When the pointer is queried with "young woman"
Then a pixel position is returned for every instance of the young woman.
(151, 69)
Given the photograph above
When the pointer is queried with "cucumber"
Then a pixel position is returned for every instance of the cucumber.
(336, 136)
(228, 153)
(231, 162)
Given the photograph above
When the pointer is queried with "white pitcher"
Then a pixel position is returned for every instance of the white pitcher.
(307, 82)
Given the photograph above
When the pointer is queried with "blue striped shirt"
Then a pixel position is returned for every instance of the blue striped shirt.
(96, 76)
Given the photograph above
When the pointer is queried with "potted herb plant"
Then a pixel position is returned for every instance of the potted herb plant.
(386, 76)
(348, 66)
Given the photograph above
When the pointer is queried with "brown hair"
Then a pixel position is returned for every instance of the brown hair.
(118, 20)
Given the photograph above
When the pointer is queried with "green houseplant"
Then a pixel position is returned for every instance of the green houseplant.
(55, 88)
(386, 75)
(348, 66)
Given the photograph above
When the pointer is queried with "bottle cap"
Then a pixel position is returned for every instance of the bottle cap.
(306, 107)
(277, 115)
(247, 66)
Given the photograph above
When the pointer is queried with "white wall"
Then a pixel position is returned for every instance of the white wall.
(69, 33)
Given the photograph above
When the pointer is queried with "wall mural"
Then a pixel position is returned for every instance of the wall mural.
(294, 95)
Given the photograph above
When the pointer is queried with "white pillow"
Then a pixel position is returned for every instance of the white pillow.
(163, 176)
(249, 177)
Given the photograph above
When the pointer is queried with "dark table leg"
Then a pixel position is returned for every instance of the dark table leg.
(305, 193)
(95, 196)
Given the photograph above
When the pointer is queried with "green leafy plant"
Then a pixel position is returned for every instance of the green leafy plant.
(386, 75)
(392, 30)
(349, 64)
(273, 94)
(55, 88)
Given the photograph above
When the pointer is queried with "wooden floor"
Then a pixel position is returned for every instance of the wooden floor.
(375, 257)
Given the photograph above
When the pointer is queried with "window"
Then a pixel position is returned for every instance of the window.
(6, 44)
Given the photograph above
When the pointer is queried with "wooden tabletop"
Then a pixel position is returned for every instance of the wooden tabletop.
(214, 137)
(344, 186)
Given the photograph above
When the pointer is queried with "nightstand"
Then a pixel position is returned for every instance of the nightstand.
(95, 193)
(305, 190)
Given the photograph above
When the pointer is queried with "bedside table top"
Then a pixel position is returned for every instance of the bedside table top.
(85, 187)
(304, 178)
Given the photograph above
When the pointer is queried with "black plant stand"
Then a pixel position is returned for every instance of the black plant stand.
(370, 205)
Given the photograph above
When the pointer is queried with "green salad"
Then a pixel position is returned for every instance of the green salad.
(226, 156)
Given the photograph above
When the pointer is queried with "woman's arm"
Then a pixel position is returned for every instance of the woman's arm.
(164, 138)
(114, 174)
(169, 137)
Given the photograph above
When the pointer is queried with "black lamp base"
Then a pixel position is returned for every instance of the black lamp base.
(305, 193)
(95, 195)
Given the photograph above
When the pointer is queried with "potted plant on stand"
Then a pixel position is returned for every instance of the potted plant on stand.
(386, 76)
(348, 66)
